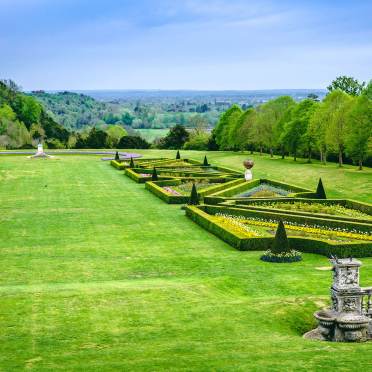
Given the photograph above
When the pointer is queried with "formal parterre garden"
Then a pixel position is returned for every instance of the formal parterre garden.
(98, 273)
(246, 213)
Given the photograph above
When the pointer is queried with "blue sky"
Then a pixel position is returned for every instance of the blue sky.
(190, 44)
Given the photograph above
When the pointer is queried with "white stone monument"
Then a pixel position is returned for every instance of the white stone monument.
(40, 152)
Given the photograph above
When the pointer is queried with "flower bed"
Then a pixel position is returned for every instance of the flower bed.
(314, 207)
(293, 229)
(265, 190)
(256, 231)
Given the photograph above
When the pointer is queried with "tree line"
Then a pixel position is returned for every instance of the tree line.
(340, 124)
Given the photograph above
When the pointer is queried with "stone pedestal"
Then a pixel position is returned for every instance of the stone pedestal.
(346, 321)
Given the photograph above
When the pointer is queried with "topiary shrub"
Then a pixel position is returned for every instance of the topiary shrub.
(194, 197)
(154, 176)
(320, 193)
(117, 158)
(205, 162)
(131, 164)
(280, 250)
(178, 156)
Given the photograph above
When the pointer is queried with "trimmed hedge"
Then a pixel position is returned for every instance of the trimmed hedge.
(213, 209)
(307, 245)
(118, 165)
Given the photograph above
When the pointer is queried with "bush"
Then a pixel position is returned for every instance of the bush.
(194, 197)
(131, 164)
(133, 142)
(205, 162)
(117, 158)
(320, 193)
(178, 155)
(154, 176)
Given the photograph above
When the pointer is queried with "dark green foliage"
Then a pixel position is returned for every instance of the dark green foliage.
(194, 197)
(175, 139)
(154, 176)
(205, 162)
(29, 111)
(131, 164)
(133, 142)
(117, 158)
(281, 244)
(320, 190)
(178, 156)
(96, 139)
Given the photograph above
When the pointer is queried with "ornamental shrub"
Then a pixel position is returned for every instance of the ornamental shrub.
(281, 244)
(205, 162)
(131, 164)
(178, 156)
(117, 158)
(194, 197)
(154, 176)
(320, 193)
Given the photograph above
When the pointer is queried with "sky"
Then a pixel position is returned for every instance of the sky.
(190, 44)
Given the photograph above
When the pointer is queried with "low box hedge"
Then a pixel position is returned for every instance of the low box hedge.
(269, 215)
(200, 215)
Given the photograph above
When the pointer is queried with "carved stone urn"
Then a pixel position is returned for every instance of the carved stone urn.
(248, 164)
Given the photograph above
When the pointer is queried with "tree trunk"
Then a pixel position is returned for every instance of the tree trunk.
(260, 150)
(360, 164)
(325, 157)
(295, 156)
(321, 156)
(271, 153)
(340, 157)
(309, 156)
(283, 152)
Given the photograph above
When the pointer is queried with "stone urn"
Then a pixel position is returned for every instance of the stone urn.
(352, 328)
(326, 323)
(248, 163)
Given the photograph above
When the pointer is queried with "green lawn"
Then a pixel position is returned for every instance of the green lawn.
(99, 274)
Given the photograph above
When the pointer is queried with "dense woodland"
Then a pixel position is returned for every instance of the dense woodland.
(337, 128)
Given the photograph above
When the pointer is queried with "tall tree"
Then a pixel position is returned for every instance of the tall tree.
(359, 130)
(294, 134)
(338, 104)
(225, 127)
(347, 84)
(269, 116)
(245, 134)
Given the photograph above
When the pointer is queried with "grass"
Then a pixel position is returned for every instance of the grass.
(99, 274)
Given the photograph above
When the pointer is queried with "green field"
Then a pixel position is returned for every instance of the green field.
(99, 274)
(151, 134)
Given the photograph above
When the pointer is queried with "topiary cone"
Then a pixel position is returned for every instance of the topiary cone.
(281, 244)
(131, 164)
(194, 197)
(320, 193)
(154, 176)
(205, 162)
(117, 158)
(178, 156)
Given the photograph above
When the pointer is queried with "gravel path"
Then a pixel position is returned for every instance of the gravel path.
(123, 155)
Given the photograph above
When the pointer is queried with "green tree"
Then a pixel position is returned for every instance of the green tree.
(347, 84)
(225, 128)
(175, 139)
(338, 105)
(269, 116)
(294, 135)
(114, 134)
(245, 133)
(359, 130)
